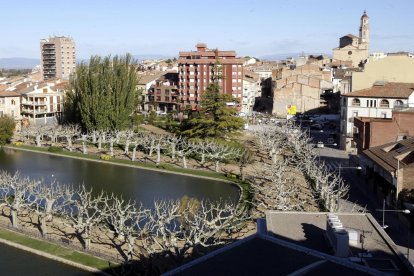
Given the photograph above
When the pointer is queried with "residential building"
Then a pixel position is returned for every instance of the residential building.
(375, 102)
(251, 90)
(390, 168)
(58, 57)
(145, 81)
(10, 104)
(307, 87)
(249, 61)
(41, 103)
(306, 243)
(354, 48)
(391, 67)
(163, 95)
(371, 132)
(197, 69)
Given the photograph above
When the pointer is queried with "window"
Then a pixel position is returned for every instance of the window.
(384, 115)
(371, 103)
(398, 103)
(13, 102)
(384, 103)
(356, 102)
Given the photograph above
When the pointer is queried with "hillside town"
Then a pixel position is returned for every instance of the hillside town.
(317, 151)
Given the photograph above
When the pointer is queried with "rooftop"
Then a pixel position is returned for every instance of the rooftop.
(395, 90)
(351, 36)
(296, 243)
(394, 155)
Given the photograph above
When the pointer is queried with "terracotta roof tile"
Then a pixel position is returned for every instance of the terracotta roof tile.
(386, 90)
(6, 93)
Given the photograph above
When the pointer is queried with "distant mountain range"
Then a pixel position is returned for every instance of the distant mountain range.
(286, 55)
(18, 63)
(29, 63)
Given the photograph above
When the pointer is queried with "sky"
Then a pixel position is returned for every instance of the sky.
(163, 27)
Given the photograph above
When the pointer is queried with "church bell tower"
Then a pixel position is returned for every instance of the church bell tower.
(364, 31)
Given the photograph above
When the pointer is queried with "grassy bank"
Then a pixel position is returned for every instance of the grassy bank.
(55, 250)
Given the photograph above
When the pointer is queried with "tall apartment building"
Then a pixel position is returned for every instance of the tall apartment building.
(58, 57)
(197, 69)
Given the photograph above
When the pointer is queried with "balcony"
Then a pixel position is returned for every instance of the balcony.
(34, 103)
(49, 46)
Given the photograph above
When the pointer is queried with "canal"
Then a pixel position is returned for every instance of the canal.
(131, 183)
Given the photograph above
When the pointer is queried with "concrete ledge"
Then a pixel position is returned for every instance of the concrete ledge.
(52, 257)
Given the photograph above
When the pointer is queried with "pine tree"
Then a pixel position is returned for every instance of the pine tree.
(215, 119)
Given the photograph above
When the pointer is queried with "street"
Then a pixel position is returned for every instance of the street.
(361, 199)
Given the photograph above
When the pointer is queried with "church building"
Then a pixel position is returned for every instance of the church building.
(354, 48)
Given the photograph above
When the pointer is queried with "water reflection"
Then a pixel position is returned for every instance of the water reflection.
(141, 185)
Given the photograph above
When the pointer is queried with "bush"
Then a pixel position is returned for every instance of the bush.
(55, 149)
(105, 157)
(18, 144)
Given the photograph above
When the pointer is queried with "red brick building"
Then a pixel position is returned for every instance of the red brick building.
(197, 70)
(372, 132)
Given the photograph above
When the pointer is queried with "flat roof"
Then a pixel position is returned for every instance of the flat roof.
(309, 229)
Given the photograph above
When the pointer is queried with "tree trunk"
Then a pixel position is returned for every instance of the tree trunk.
(158, 155)
(94, 137)
(87, 239)
(203, 157)
(42, 223)
(242, 173)
(134, 151)
(14, 218)
(173, 151)
(84, 148)
(111, 147)
(69, 143)
(151, 148)
(38, 141)
(184, 162)
(131, 242)
(126, 147)
(100, 142)
(217, 166)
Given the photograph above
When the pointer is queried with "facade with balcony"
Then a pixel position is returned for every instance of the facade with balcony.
(198, 69)
(375, 102)
(42, 105)
(58, 57)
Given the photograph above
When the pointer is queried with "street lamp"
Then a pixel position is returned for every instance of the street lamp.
(340, 168)
(405, 211)
(384, 226)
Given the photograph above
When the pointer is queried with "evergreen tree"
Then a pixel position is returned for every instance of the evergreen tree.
(216, 119)
(7, 126)
(103, 94)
